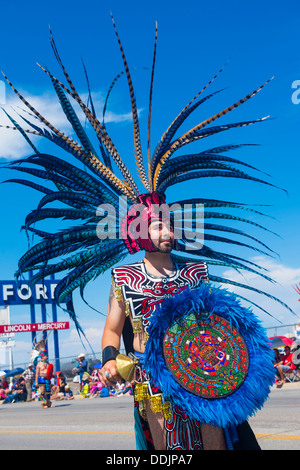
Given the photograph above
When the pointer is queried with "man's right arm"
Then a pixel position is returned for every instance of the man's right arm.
(112, 336)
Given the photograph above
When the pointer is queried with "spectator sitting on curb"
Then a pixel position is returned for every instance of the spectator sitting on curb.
(17, 391)
(61, 390)
(4, 390)
(95, 384)
(284, 365)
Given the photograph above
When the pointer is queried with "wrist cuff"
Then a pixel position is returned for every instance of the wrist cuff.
(109, 353)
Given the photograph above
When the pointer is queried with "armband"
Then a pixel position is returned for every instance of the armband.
(108, 354)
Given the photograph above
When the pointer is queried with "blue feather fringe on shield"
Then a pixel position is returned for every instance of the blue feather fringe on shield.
(231, 409)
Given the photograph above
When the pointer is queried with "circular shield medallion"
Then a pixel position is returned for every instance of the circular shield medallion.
(208, 357)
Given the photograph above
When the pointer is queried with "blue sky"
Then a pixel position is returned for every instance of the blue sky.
(259, 40)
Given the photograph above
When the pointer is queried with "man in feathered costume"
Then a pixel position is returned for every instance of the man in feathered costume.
(136, 290)
(202, 365)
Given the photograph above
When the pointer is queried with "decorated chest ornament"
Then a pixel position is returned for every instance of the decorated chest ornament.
(209, 356)
(92, 177)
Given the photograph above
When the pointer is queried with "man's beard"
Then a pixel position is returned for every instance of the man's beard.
(163, 247)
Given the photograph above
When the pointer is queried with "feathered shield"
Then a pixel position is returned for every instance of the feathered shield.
(209, 356)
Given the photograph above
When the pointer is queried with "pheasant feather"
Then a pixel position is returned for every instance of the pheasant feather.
(150, 112)
(195, 129)
(176, 120)
(136, 130)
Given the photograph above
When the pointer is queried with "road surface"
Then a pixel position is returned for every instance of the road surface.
(107, 424)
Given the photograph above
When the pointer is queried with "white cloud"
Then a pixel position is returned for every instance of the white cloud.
(73, 342)
(12, 146)
(12, 143)
(285, 278)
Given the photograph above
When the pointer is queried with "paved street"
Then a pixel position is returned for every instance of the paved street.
(83, 424)
(107, 424)
(277, 425)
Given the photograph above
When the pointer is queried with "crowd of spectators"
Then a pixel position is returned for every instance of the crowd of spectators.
(14, 391)
(90, 384)
(91, 387)
(24, 387)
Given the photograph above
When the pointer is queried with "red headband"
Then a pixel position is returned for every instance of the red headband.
(135, 225)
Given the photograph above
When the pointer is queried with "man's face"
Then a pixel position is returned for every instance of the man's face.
(162, 236)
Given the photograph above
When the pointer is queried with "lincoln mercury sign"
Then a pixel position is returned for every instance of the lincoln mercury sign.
(13, 293)
(25, 327)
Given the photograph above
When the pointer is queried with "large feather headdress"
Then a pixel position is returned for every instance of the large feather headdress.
(103, 178)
